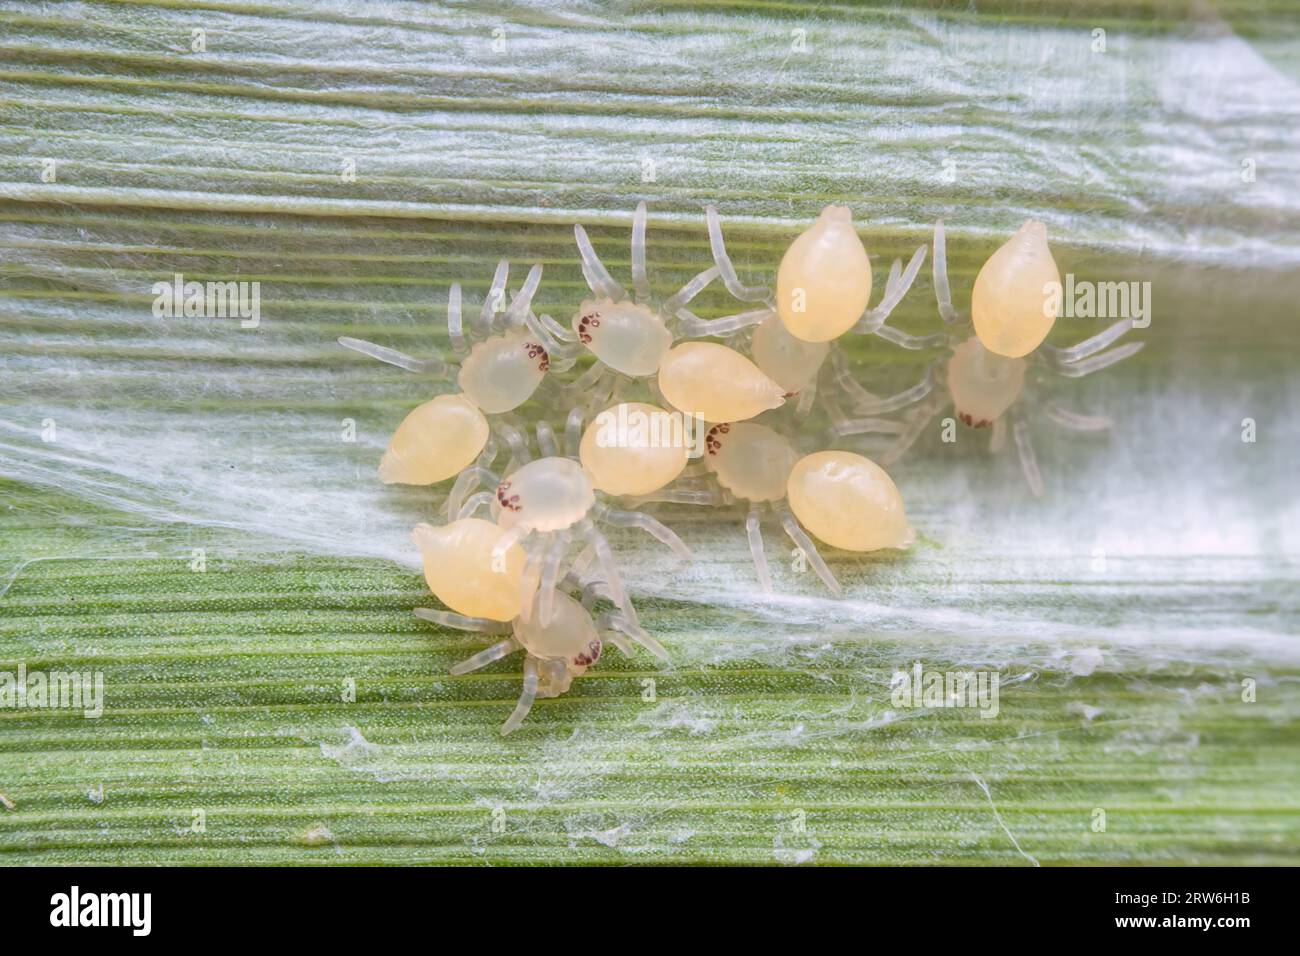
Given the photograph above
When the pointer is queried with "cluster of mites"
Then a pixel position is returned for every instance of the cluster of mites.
(539, 571)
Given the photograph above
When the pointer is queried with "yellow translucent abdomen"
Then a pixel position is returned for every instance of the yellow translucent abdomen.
(824, 282)
(435, 441)
(849, 502)
(716, 382)
(460, 570)
(634, 449)
(1012, 304)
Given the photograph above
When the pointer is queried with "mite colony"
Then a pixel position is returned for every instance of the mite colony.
(538, 570)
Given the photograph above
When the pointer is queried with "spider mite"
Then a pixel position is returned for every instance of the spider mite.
(634, 337)
(503, 358)
(823, 288)
(996, 366)
(844, 499)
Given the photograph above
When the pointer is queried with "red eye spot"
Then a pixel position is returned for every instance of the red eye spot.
(510, 502)
(711, 440)
(589, 656)
(586, 324)
(536, 351)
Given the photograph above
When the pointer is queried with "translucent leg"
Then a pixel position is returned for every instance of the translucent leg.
(845, 427)
(924, 415)
(526, 697)
(554, 678)
(895, 289)
(488, 454)
(521, 304)
(692, 326)
(556, 330)
(550, 576)
(480, 499)
(589, 596)
(842, 425)
(913, 342)
(484, 658)
(807, 397)
(479, 625)
(531, 576)
(612, 636)
(1076, 422)
(689, 291)
(629, 625)
(998, 437)
(1025, 447)
(496, 297)
(518, 445)
(598, 278)
(583, 561)
(942, 293)
(394, 357)
(640, 277)
(651, 526)
(573, 434)
(842, 377)
(597, 590)
(651, 645)
(600, 393)
(561, 355)
(616, 593)
(680, 496)
(580, 389)
(606, 558)
(455, 321)
(512, 537)
(893, 403)
(753, 530)
(546, 446)
(725, 269)
(1098, 362)
(1090, 346)
(614, 623)
(467, 481)
(805, 544)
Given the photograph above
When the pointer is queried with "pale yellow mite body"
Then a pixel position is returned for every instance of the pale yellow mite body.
(1012, 306)
(983, 385)
(442, 437)
(548, 494)
(633, 449)
(462, 571)
(751, 461)
(501, 373)
(436, 441)
(630, 337)
(570, 640)
(716, 382)
(627, 337)
(849, 502)
(555, 652)
(824, 282)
